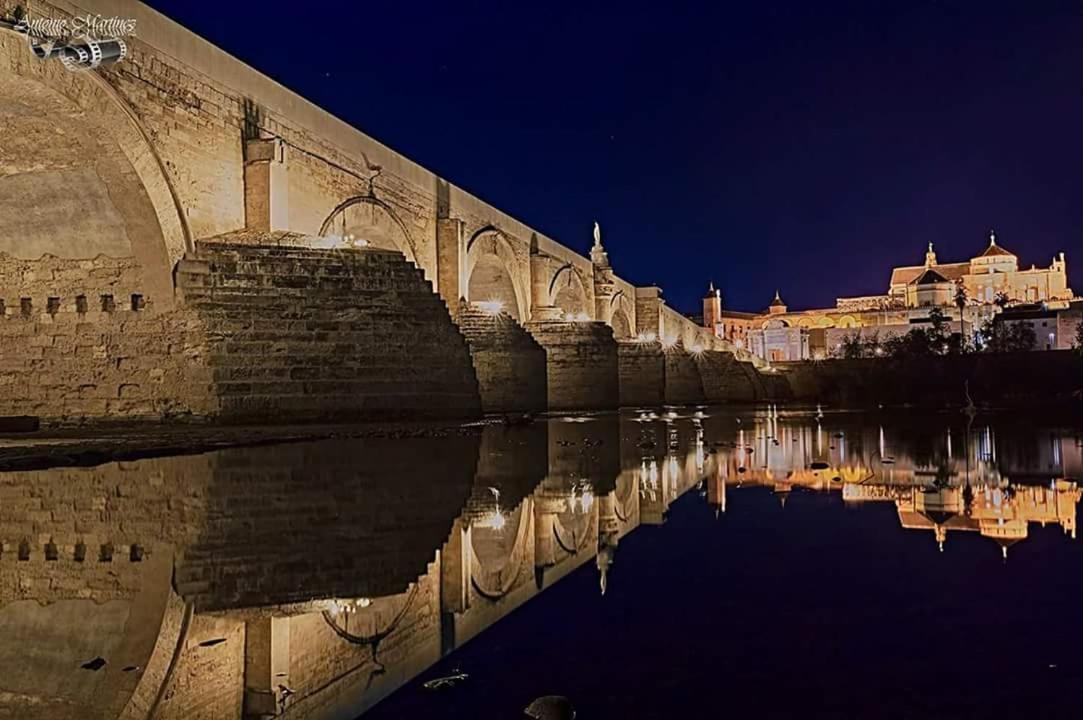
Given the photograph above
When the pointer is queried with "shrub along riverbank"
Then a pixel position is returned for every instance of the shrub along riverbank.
(1032, 380)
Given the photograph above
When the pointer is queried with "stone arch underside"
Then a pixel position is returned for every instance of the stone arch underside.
(492, 274)
(79, 179)
(621, 317)
(371, 220)
(568, 291)
(622, 324)
(500, 552)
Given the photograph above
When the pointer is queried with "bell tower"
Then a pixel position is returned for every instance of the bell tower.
(712, 310)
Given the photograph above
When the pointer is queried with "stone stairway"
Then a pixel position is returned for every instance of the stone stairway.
(510, 364)
(302, 334)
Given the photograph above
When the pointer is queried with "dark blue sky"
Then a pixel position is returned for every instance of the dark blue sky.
(808, 146)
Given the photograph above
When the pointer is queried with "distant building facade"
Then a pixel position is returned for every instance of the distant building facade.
(968, 293)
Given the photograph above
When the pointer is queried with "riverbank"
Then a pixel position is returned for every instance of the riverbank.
(78, 447)
(1043, 381)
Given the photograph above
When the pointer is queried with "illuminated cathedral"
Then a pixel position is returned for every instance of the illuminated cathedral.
(968, 293)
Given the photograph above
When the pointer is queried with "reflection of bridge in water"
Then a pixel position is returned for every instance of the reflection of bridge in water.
(313, 579)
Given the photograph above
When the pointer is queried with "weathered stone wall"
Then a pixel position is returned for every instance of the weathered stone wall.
(716, 373)
(642, 369)
(683, 383)
(1044, 380)
(119, 363)
(728, 379)
(305, 334)
(509, 363)
(581, 366)
(272, 334)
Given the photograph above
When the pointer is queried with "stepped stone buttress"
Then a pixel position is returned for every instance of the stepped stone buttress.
(509, 363)
(296, 333)
(260, 333)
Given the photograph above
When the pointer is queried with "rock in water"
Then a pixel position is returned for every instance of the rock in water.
(550, 707)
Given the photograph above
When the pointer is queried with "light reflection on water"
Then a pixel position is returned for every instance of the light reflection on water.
(358, 564)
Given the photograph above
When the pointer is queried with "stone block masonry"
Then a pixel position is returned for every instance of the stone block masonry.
(683, 384)
(267, 334)
(581, 365)
(726, 379)
(83, 339)
(642, 370)
(509, 363)
(303, 334)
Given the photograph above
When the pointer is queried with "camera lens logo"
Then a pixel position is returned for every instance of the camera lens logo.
(82, 43)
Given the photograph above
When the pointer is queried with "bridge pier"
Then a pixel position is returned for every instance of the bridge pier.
(581, 364)
(683, 385)
(509, 363)
(266, 665)
(642, 374)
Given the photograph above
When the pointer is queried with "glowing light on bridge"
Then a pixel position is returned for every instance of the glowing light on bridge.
(345, 607)
(646, 337)
(494, 520)
(669, 342)
(493, 307)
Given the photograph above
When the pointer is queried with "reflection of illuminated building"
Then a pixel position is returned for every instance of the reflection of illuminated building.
(966, 484)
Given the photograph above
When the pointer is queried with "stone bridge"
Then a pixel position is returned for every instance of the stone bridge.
(182, 237)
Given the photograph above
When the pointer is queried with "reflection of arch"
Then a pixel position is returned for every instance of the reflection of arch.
(494, 583)
(806, 322)
(621, 316)
(847, 321)
(492, 272)
(568, 291)
(370, 219)
(826, 321)
(98, 177)
(142, 628)
(380, 608)
(573, 540)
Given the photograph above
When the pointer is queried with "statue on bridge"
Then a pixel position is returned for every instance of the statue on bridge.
(597, 253)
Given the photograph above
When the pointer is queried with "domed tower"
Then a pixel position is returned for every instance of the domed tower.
(712, 310)
(994, 259)
(777, 306)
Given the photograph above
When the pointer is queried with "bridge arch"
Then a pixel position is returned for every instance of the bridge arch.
(568, 291)
(492, 272)
(82, 179)
(499, 551)
(620, 316)
(370, 219)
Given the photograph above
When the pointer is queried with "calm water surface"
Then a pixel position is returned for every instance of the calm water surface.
(690, 563)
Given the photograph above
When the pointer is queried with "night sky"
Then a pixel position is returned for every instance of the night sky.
(808, 146)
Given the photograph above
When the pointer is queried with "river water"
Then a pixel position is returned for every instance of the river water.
(686, 563)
